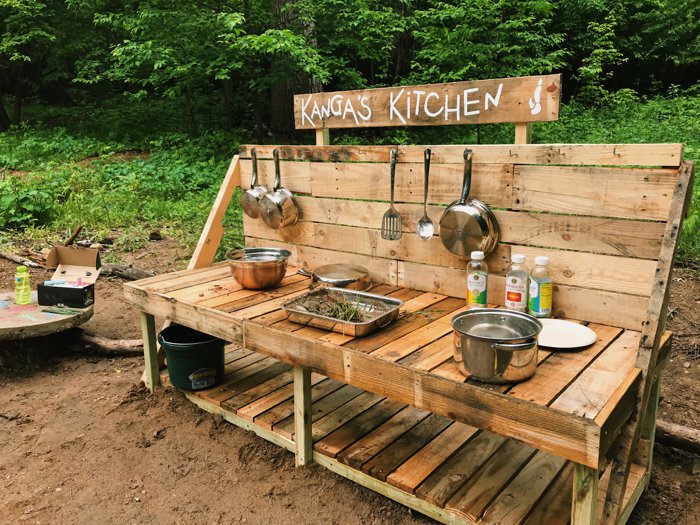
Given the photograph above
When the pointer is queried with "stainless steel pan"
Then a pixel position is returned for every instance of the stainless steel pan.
(279, 208)
(250, 198)
(340, 275)
(467, 224)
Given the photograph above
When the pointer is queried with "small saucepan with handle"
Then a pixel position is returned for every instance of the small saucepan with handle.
(468, 225)
(279, 208)
(250, 198)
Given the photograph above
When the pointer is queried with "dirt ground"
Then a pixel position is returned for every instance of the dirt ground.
(83, 442)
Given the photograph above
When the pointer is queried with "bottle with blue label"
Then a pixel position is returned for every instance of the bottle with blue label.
(477, 281)
(23, 293)
(540, 303)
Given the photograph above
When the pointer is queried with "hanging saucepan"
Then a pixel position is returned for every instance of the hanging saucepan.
(250, 198)
(467, 224)
(279, 208)
(340, 275)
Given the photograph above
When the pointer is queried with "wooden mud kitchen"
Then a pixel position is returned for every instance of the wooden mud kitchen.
(393, 410)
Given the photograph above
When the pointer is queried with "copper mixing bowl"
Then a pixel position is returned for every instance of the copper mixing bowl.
(259, 268)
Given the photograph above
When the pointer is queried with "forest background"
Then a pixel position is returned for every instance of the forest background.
(123, 114)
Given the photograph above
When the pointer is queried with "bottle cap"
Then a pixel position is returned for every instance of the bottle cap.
(541, 260)
(21, 269)
(518, 258)
(477, 256)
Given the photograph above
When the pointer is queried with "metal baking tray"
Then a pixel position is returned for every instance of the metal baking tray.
(377, 311)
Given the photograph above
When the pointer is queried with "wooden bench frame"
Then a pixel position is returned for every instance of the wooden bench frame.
(630, 438)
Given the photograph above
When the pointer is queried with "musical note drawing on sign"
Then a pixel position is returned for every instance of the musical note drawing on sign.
(536, 107)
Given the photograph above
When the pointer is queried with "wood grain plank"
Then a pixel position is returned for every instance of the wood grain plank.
(572, 302)
(419, 466)
(517, 499)
(273, 399)
(633, 193)
(257, 392)
(555, 507)
(295, 176)
(376, 441)
(358, 427)
(386, 461)
(473, 497)
(439, 487)
(330, 422)
(559, 154)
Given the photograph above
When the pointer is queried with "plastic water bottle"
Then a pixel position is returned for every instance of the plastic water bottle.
(477, 281)
(517, 284)
(23, 293)
(540, 304)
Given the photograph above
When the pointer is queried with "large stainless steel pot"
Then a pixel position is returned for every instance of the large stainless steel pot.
(259, 268)
(496, 346)
(279, 208)
(468, 225)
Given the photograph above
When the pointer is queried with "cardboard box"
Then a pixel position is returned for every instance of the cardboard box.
(79, 268)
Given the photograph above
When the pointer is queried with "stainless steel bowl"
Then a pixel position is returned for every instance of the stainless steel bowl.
(259, 268)
(495, 345)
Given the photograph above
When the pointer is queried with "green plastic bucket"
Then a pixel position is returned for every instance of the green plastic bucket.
(195, 360)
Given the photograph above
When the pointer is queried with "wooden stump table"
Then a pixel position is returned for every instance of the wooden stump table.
(22, 322)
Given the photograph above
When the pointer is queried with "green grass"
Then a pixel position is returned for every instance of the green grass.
(169, 181)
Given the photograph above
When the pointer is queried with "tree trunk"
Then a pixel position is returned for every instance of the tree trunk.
(229, 107)
(4, 118)
(17, 116)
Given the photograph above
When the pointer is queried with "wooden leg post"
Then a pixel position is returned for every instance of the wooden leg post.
(151, 374)
(302, 415)
(585, 496)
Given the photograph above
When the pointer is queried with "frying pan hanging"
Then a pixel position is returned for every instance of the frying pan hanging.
(467, 224)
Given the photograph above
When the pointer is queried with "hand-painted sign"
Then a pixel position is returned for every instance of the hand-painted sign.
(522, 99)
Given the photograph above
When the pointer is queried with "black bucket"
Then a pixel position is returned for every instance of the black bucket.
(195, 360)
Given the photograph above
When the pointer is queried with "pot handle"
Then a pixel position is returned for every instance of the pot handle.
(514, 346)
(302, 271)
(254, 158)
(278, 182)
(467, 182)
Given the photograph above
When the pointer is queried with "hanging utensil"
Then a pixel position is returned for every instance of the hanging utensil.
(391, 222)
(468, 224)
(279, 209)
(425, 227)
(250, 198)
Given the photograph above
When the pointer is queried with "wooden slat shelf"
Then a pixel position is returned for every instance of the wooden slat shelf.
(571, 405)
(445, 469)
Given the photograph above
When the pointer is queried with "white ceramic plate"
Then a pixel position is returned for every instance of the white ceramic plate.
(557, 333)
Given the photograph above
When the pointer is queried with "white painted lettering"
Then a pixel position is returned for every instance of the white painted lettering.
(392, 106)
(364, 102)
(467, 102)
(430, 95)
(350, 109)
(493, 100)
(449, 110)
(418, 93)
(316, 111)
(336, 105)
(304, 114)
(408, 104)
(326, 110)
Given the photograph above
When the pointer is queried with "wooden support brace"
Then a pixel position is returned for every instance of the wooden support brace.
(585, 495)
(302, 416)
(523, 132)
(152, 370)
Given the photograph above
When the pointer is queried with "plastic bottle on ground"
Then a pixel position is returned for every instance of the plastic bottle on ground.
(23, 292)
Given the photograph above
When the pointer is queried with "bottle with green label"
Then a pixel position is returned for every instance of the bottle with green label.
(477, 280)
(23, 293)
(516, 284)
(540, 303)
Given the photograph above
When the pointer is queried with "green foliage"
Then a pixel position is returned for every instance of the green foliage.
(469, 39)
(23, 203)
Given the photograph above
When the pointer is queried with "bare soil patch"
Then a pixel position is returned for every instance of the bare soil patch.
(83, 442)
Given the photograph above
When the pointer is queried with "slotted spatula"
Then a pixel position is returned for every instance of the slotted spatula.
(391, 222)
